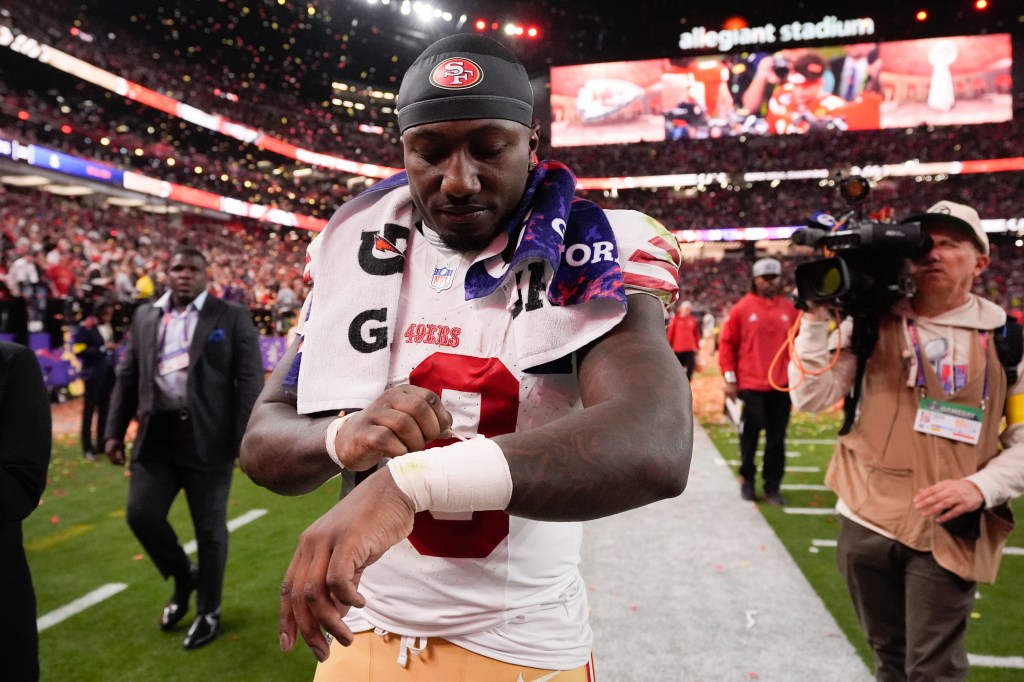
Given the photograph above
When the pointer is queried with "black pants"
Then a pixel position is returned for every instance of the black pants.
(97, 401)
(688, 359)
(171, 464)
(766, 411)
(19, 645)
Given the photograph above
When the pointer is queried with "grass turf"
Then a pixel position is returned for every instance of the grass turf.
(995, 629)
(78, 541)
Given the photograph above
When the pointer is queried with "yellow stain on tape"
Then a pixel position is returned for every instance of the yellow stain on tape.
(1015, 409)
(51, 541)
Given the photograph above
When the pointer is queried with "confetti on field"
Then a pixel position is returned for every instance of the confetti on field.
(138, 557)
(975, 615)
(750, 618)
(55, 520)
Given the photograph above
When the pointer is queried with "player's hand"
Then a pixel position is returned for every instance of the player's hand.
(321, 583)
(948, 499)
(732, 391)
(114, 450)
(403, 419)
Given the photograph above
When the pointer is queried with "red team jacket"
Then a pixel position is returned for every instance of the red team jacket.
(684, 334)
(755, 330)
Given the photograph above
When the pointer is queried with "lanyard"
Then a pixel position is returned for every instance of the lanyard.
(920, 382)
(166, 323)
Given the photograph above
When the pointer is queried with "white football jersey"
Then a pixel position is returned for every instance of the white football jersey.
(506, 587)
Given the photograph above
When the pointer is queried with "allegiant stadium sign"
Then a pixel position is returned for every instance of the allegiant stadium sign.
(828, 28)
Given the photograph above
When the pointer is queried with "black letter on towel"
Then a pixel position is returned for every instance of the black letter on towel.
(383, 253)
(378, 335)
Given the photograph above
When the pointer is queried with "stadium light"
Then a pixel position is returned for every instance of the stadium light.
(921, 15)
(480, 24)
(981, 4)
(532, 32)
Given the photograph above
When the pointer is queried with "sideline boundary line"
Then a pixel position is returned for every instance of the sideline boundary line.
(107, 591)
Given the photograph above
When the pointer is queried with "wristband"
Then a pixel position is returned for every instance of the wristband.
(331, 438)
(468, 476)
(730, 377)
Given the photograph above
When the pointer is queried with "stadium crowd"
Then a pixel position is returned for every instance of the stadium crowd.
(80, 118)
(94, 251)
(61, 256)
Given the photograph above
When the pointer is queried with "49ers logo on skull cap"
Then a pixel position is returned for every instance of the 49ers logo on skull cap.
(456, 73)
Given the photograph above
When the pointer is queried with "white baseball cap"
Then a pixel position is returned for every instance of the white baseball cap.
(956, 215)
(767, 266)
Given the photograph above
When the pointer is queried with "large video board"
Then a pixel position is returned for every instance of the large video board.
(862, 86)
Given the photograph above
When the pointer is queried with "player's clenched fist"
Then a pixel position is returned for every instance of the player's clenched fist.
(402, 419)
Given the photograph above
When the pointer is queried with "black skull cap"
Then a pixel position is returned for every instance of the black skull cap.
(465, 76)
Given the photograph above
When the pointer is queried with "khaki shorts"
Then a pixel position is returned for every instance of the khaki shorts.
(373, 658)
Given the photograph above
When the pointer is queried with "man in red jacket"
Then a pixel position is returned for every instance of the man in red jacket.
(684, 337)
(751, 337)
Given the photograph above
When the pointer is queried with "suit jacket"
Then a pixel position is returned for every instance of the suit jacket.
(868, 83)
(225, 376)
(24, 456)
(88, 345)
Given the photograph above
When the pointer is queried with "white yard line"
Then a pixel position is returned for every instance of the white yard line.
(804, 486)
(810, 511)
(801, 470)
(79, 605)
(105, 592)
(980, 661)
(233, 524)
(1008, 551)
(798, 441)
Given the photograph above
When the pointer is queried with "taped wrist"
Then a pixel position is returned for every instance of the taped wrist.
(468, 476)
(331, 438)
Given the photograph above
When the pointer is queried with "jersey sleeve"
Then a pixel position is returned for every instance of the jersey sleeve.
(648, 253)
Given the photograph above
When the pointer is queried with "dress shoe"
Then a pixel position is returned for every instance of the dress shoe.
(177, 607)
(774, 498)
(204, 630)
(747, 491)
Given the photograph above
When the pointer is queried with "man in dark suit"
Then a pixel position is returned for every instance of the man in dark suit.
(190, 374)
(95, 344)
(24, 457)
(857, 71)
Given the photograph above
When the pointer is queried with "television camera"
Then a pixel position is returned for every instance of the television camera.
(865, 268)
(863, 275)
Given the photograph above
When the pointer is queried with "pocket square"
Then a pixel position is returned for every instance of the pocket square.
(216, 336)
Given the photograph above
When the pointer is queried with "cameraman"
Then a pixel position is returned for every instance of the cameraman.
(923, 505)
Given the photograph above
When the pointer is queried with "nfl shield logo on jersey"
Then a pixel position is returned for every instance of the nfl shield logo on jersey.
(442, 278)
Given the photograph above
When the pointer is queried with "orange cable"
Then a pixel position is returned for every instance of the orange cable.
(790, 345)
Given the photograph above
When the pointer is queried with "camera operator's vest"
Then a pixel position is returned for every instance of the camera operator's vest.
(879, 466)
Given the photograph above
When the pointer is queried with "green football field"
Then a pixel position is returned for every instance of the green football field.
(80, 548)
(79, 545)
(996, 628)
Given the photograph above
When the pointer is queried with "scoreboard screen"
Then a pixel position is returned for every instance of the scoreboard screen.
(859, 86)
